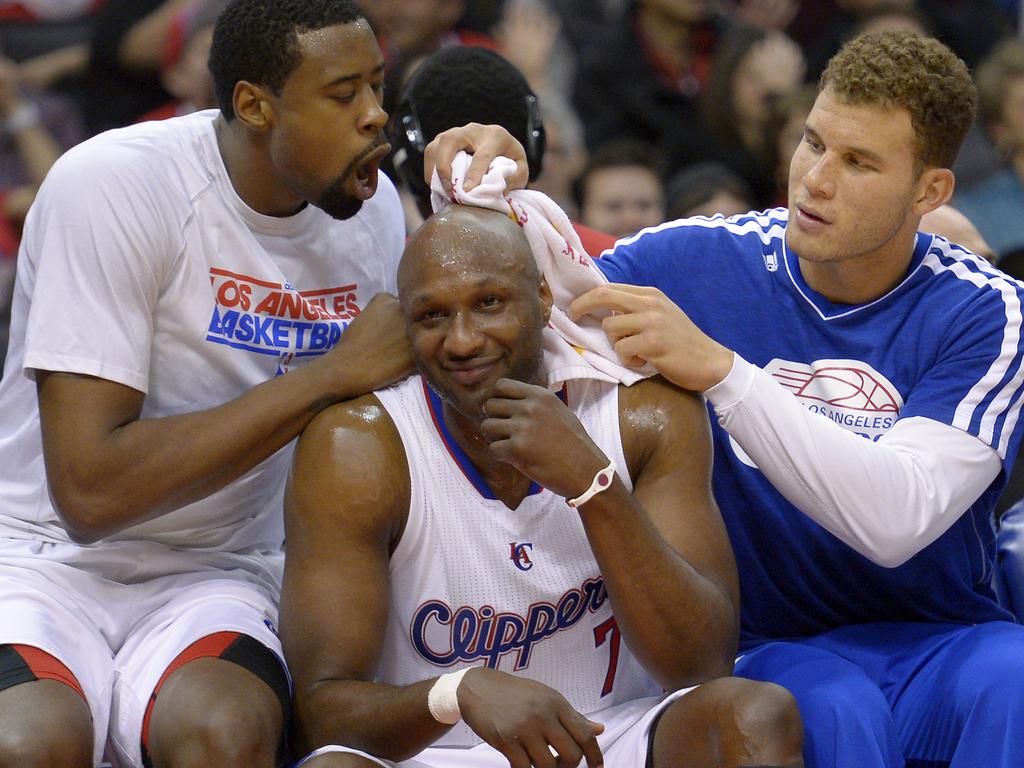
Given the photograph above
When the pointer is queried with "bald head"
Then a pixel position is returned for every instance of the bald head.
(462, 237)
(475, 305)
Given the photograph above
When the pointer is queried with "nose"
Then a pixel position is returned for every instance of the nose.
(819, 181)
(462, 338)
(373, 117)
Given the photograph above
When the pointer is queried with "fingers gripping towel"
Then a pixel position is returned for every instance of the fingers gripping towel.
(571, 350)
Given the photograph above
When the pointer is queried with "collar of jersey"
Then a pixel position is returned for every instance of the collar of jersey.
(436, 408)
(829, 310)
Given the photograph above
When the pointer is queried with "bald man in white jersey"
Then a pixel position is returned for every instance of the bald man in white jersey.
(444, 605)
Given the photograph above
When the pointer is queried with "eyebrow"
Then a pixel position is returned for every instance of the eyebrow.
(873, 156)
(356, 76)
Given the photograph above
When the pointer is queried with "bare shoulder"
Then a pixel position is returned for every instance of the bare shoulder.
(350, 464)
(653, 414)
(349, 429)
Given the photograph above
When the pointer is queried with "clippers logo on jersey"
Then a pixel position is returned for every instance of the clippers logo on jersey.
(520, 556)
(849, 392)
(275, 319)
(443, 636)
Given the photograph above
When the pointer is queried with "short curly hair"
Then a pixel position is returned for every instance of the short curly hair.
(1004, 65)
(257, 41)
(467, 84)
(906, 71)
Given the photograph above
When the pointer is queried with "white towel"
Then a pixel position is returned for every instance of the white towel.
(571, 350)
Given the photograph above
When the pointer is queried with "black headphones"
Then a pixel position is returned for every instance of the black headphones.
(408, 144)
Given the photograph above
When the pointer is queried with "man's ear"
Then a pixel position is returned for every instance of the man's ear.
(934, 188)
(253, 106)
(546, 299)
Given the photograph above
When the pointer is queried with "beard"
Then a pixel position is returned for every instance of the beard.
(335, 200)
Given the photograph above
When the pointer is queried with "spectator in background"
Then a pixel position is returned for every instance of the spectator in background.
(706, 189)
(787, 130)
(49, 39)
(122, 79)
(996, 205)
(838, 23)
(972, 28)
(751, 71)
(588, 23)
(183, 71)
(529, 35)
(620, 192)
(643, 80)
(27, 151)
(764, 14)
(414, 28)
(893, 15)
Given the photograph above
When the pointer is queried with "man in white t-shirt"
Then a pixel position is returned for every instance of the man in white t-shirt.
(190, 294)
(488, 542)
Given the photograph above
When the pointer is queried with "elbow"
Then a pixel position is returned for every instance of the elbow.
(85, 518)
(891, 554)
(892, 546)
(709, 667)
(696, 663)
(79, 527)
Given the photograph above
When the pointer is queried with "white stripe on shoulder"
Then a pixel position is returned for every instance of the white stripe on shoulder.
(767, 225)
(1006, 400)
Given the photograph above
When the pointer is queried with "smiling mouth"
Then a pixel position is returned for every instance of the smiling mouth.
(470, 376)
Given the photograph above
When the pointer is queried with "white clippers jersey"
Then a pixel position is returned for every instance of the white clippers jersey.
(474, 583)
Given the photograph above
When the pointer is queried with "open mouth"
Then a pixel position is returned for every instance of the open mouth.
(366, 172)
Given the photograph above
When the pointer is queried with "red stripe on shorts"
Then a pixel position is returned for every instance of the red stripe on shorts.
(47, 667)
(210, 646)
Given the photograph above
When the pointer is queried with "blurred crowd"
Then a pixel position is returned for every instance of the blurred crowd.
(654, 109)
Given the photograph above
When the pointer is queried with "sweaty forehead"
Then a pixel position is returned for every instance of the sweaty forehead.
(338, 51)
(461, 240)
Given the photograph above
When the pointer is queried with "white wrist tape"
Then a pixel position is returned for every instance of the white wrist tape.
(602, 482)
(443, 700)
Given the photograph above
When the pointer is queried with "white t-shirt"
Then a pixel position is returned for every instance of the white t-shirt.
(474, 583)
(141, 265)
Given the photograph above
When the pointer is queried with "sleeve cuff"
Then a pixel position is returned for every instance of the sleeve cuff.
(734, 387)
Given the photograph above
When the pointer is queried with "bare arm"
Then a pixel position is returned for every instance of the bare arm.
(344, 508)
(109, 469)
(663, 551)
(47, 69)
(143, 47)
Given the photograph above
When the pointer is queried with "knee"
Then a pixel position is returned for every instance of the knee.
(990, 688)
(758, 723)
(230, 734)
(22, 749)
(44, 724)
